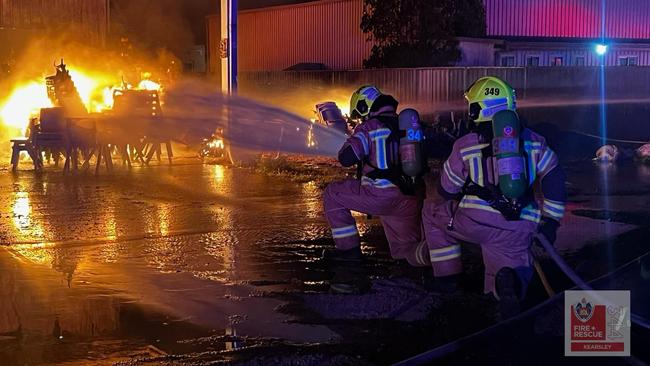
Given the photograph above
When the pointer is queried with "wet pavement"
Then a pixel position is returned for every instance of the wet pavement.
(194, 263)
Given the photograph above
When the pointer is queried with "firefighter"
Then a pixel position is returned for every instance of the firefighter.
(501, 185)
(382, 189)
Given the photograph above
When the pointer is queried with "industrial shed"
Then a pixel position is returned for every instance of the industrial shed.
(519, 33)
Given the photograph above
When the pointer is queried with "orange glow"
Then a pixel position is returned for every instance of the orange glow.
(148, 85)
(95, 89)
(24, 103)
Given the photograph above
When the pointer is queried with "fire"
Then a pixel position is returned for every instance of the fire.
(96, 92)
(24, 103)
(344, 106)
(148, 85)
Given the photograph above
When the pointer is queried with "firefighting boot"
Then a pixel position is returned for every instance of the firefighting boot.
(508, 290)
(349, 278)
(338, 255)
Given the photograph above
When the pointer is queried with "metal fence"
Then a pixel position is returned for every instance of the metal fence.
(430, 87)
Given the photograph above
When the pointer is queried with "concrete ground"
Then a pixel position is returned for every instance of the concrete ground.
(206, 264)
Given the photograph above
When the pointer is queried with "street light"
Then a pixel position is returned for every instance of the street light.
(601, 49)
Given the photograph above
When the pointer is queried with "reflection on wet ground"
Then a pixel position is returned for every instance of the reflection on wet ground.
(81, 253)
(199, 260)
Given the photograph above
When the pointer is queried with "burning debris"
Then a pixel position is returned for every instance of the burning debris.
(79, 117)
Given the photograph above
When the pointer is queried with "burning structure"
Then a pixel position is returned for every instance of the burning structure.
(80, 123)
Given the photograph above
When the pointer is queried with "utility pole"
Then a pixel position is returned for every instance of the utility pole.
(228, 46)
(228, 50)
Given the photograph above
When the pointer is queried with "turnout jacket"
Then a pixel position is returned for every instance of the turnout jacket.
(470, 160)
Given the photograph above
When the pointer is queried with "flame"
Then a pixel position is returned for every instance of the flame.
(24, 103)
(95, 95)
(344, 106)
(95, 89)
(148, 85)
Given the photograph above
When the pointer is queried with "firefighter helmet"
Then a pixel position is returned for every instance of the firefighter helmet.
(487, 96)
(362, 100)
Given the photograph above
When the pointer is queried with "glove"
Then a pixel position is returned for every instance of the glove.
(548, 227)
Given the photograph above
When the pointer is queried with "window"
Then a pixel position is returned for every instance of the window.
(532, 61)
(557, 61)
(628, 61)
(580, 61)
(508, 61)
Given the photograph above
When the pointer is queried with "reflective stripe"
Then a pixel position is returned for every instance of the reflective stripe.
(444, 254)
(446, 258)
(529, 213)
(546, 160)
(379, 133)
(555, 204)
(379, 136)
(532, 149)
(476, 149)
(554, 208)
(477, 164)
(444, 249)
(361, 137)
(419, 255)
(474, 156)
(470, 201)
(377, 183)
(533, 144)
(456, 180)
(492, 106)
(344, 232)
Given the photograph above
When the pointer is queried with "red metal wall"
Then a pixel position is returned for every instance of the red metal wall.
(327, 32)
(624, 19)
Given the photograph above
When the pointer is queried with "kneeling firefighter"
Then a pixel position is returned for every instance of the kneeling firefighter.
(500, 186)
(387, 148)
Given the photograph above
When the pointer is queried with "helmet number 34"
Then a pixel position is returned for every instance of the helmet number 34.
(492, 91)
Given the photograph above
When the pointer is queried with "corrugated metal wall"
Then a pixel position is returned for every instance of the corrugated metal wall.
(624, 19)
(430, 88)
(327, 32)
(90, 15)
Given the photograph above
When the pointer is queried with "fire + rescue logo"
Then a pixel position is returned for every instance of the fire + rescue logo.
(583, 310)
(597, 323)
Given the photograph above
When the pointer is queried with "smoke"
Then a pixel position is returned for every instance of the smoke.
(155, 25)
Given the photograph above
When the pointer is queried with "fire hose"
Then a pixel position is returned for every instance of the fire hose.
(454, 346)
(575, 278)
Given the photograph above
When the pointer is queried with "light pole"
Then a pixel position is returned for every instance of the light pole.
(228, 50)
(228, 46)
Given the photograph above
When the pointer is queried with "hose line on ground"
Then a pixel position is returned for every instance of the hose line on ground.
(451, 347)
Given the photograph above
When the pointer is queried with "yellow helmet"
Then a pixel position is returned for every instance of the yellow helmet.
(362, 100)
(487, 96)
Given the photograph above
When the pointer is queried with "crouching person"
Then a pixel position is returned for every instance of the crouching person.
(500, 186)
(382, 189)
